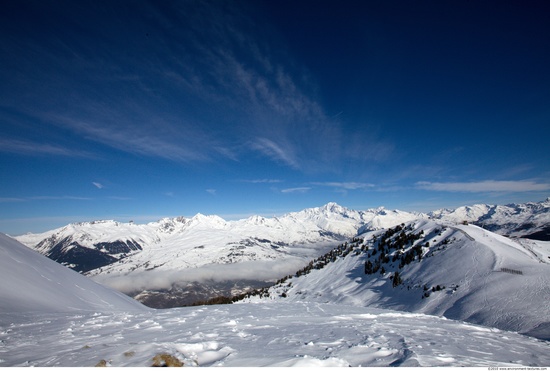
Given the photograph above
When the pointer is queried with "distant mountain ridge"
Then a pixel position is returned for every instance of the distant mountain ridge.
(90, 245)
(173, 254)
(529, 220)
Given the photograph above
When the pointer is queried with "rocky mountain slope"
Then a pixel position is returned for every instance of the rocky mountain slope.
(458, 271)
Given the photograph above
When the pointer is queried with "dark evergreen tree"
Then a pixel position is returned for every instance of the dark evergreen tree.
(396, 281)
(368, 267)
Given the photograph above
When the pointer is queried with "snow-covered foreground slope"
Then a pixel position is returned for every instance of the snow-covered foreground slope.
(276, 334)
(465, 273)
(52, 316)
(32, 282)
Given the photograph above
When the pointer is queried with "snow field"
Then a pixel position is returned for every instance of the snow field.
(278, 334)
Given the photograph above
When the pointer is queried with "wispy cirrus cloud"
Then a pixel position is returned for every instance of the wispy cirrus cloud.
(43, 198)
(258, 181)
(485, 186)
(120, 198)
(345, 185)
(11, 199)
(258, 85)
(220, 87)
(296, 190)
(143, 139)
(74, 198)
(276, 152)
(98, 185)
(29, 148)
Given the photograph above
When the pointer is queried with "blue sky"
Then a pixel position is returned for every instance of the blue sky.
(135, 110)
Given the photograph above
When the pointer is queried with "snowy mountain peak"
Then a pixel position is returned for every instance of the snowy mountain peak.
(170, 225)
(333, 207)
(330, 210)
(208, 221)
(256, 220)
(104, 222)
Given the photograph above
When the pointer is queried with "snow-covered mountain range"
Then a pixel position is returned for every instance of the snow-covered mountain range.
(52, 316)
(203, 239)
(529, 220)
(177, 261)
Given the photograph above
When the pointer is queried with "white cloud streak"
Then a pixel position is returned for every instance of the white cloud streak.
(11, 199)
(141, 139)
(486, 186)
(296, 190)
(43, 198)
(345, 185)
(75, 198)
(32, 148)
(276, 151)
(98, 185)
(257, 181)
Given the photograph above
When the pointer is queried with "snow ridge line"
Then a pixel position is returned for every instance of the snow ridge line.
(463, 232)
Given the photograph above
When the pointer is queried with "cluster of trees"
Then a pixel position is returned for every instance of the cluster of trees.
(393, 243)
(427, 290)
(397, 238)
(396, 244)
(213, 301)
(261, 292)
